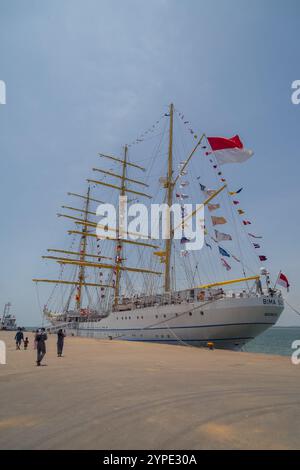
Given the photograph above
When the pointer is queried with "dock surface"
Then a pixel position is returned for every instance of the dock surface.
(130, 395)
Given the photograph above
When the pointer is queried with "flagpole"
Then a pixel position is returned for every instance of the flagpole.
(277, 279)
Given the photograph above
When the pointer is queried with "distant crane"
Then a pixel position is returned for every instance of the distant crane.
(6, 311)
(8, 321)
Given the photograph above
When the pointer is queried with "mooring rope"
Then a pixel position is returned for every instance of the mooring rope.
(291, 307)
(39, 303)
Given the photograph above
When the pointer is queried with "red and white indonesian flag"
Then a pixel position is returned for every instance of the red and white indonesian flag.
(229, 150)
(283, 281)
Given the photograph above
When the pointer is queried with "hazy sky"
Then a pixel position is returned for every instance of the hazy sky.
(86, 75)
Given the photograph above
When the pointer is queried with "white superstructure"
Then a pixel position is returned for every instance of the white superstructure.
(228, 321)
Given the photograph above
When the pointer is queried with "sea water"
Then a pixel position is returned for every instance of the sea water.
(276, 340)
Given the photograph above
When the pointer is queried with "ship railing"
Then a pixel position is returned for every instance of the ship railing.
(61, 326)
(249, 294)
(189, 296)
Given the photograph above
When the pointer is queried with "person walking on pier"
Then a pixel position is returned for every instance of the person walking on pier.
(19, 338)
(40, 339)
(60, 342)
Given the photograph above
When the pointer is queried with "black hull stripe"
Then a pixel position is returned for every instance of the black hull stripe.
(187, 340)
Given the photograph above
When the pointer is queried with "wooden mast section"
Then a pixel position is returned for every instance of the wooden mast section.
(119, 244)
(83, 243)
(170, 186)
(82, 262)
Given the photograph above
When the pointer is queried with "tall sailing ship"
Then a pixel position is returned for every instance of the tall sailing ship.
(133, 287)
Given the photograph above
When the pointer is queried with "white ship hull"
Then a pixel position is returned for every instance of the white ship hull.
(228, 322)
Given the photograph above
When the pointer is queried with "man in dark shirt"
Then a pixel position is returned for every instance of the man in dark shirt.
(40, 339)
(60, 342)
(19, 338)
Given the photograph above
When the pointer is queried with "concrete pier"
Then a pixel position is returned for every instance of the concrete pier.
(125, 395)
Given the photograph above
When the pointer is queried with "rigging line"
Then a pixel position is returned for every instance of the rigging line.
(194, 274)
(196, 264)
(241, 254)
(229, 203)
(39, 303)
(190, 271)
(194, 259)
(145, 139)
(251, 270)
(67, 305)
(191, 134)
(174, 271)
(154, 155)
(215, 268)
(141, 136)
(187, 270)
(209, 254)
(237, 239)
(61, 271)
(184, 343)
(245, 234)
(236, 234)
(179, 340)
(249, 241)
(251, 245)
(291, 307)
(89, 298)
(182, 141)
(211, 258)
(156, 151)
(184, 262)
(212, 273)
(233, 214)
(234, 217)
(153, 160)
(214, 264)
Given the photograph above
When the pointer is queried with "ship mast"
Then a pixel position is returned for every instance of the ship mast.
(82, 260)
(87, 230)
(170, 186)
(83, 243)
(119, 244)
